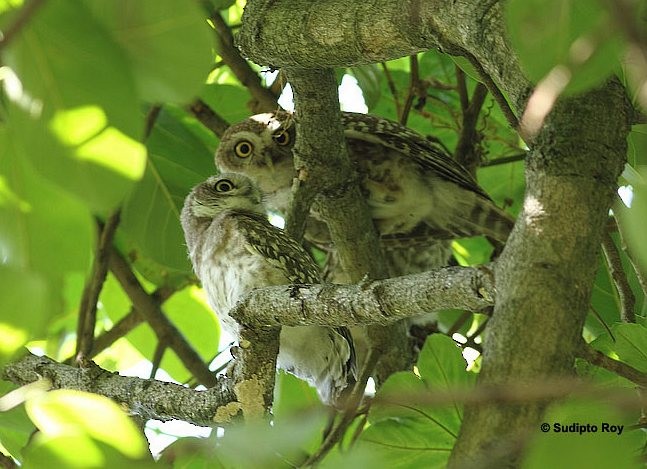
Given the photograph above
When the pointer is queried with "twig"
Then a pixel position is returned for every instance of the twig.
(209, 118)
(414, 86)
(392, 88)
(350, 412)
(166, 332)
(497, 94)
(459, 323)
(127, 323)
(466, 153)
(505, 160)
(92, 289)
(264, 99)
(594, 357)
(151, 119)
(22, 18)
(461, 83)
(625, 295)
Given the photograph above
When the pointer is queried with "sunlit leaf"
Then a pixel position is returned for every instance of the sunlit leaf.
(15, 426)
(71, 413)
(24, 309)
(68, 67)
(43, 229)
(168, 44)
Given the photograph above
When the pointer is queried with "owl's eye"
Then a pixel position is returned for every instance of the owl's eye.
(224, 185)
(282, 137)
(243, 149)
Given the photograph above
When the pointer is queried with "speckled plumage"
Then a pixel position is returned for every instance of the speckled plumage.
(411, 183)
(234, 249)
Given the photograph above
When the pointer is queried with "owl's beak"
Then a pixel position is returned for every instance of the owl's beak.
(267, 160)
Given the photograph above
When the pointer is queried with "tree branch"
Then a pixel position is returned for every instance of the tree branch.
(264, 99)
(92, 289)
(380, 302)
(164, 329)
(625, 295)
(324, 169)
(148, 398)
(209, 118)
(597, 358)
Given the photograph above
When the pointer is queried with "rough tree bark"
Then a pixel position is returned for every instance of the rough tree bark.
(545, 274)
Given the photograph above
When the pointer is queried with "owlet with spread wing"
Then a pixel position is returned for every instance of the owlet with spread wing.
(419, 196)
(234, 249)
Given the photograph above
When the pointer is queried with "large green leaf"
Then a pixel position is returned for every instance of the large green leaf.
(177, 161)
(577, 34)
(598, 447)
(81, 153)
(66, 59)
(15, 426)
(25, 309)
(229, 101)
(407, 432)
(79, 429)
(168, 44)
(42, 229)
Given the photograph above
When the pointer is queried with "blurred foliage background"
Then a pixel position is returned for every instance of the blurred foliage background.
(110, 113)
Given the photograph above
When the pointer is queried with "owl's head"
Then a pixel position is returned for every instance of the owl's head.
(227, 191)
(261, 148)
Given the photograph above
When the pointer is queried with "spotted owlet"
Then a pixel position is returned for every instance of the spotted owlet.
(414, 188)
(234, 249)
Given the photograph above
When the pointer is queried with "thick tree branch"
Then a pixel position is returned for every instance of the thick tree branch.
(336, 33)
(148, 398)
(548, 264)
(370, 302)
(324, 171)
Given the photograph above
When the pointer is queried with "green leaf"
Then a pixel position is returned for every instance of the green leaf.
(15, 426)
(631, 344)
(67, 413)
(368, 78)
(25, 309)
(42, 228)
(77, 150)
(407, 432)
(635, 217)
(168, 44)
(178, 160)
(588, 449)
(229, 101)
(577, 34)
(65, 58)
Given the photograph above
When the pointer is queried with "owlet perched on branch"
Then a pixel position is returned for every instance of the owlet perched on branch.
(414, 188)
(234, 249)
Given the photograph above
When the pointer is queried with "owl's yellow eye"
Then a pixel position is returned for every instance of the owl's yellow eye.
(224, 185)
(282, 137)
(243, 149)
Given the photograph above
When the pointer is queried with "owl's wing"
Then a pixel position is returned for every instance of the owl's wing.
(278, 248)
(284, 252)
(429, 153)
